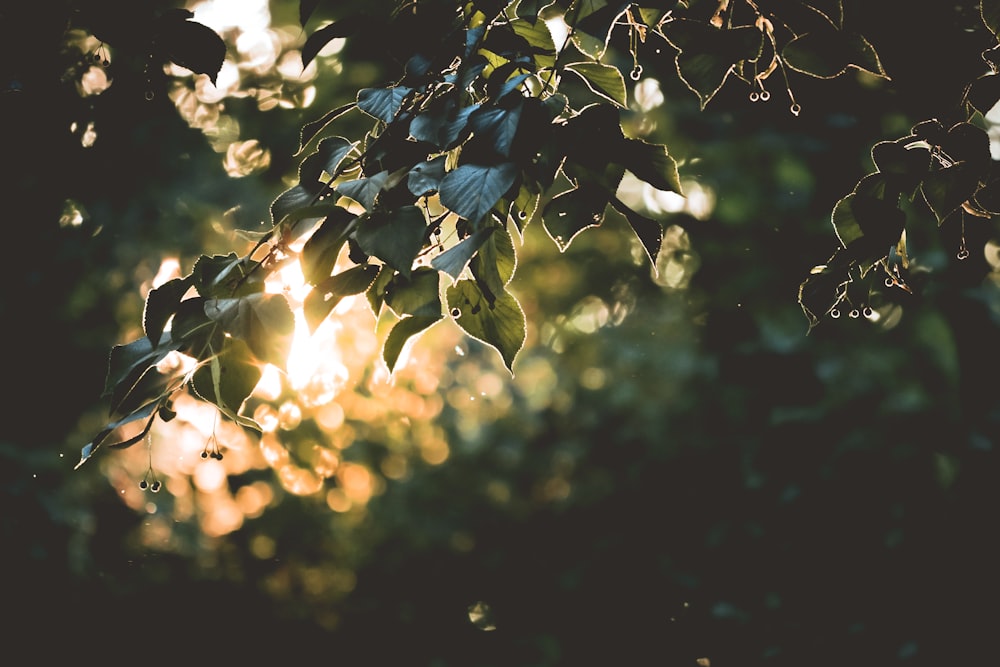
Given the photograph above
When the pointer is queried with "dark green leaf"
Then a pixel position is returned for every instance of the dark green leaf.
(147, 411)
(497, 124)
(161, 303)
(472, 190)
(319, 39)
(127, 363)
(420, 294)
(321, 250)
(228, 378)
(500, 325)
(443, 123)
(264, 321)
(648, 231)
(707, 56)
(946, 190)
(570, 213)
(376, 291)
(650, 163)
(225, 276)
(322, 299)
(829, 53)
(306, 9)
(454, 260)
(425, 178)
(394, 237)
(190, 44)
(322, 165)
(365, 190)
(382, 103)
(401, 332)
(984, 92)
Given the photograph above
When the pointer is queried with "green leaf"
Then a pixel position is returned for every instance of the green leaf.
(648, 231)
(320, 252)
(264, 321)
(383, 103)
(323, 164)
(364, 190)
(650, 163)
(706, 56)
(472, 190)
(498, 124)
(323, 298)
(376, 291)
(827, 54)
(443, 123)
(149, 410)
(494, 265)
(946, 190)
(320, 38)
(395, 237)
(126, 365)
(401, 332)
(502, 325)
(228, 378)
(604, 80)
(454, 260)
(425, 178)
(420, 294)
(161, 303)
(571, 212)
(225, 276)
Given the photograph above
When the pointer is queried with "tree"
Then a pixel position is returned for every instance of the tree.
(504, 115)
(832, 493)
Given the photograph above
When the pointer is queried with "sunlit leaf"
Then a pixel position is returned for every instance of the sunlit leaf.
(471, 190)
(394, 237)
(264, 321)
(401, 332)
(320, 252)
(494, 266)
(161, 303)
(500, 325)
(229, 377)
(603, 80)
(375, 294)
(225, 276)
(420, 294)
(325, 296)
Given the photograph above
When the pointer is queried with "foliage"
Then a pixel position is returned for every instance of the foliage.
(483, 133)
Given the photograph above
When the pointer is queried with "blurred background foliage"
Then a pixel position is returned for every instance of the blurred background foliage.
(676, 472)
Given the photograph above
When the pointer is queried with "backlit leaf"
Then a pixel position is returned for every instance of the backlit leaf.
(229, 378)
(472, 190)
(401, 332)
(706, 56)
(264, 321)
(420, 294)
(604, 80)
(500, 325)
(325, 296)
(394, 237)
